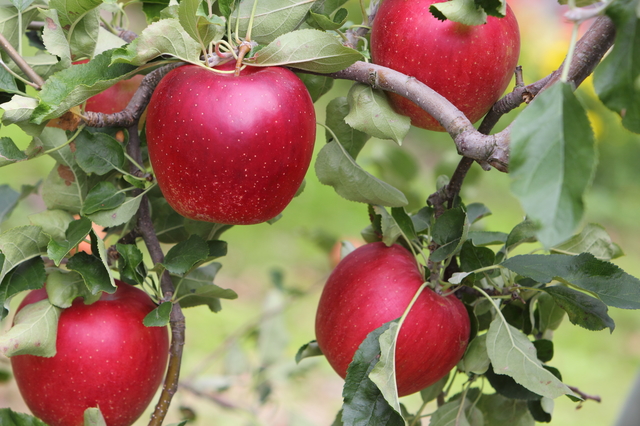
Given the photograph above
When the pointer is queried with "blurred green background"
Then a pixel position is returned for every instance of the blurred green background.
(238, 366)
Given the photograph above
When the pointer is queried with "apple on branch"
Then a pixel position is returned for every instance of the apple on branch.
(374, 284)
(471, 66)
(106, 358)
(230, 149)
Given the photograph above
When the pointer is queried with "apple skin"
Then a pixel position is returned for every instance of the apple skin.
(374, 284)
(115, 98)
(230, 149)
(105, 357)
(471, 66)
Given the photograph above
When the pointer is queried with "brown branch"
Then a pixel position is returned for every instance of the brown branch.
(132, 113)
(491, 149)
(585, 396)
(20, 62)
(176, 320)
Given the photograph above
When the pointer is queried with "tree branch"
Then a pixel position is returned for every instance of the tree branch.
(491, 149)
(20, 62)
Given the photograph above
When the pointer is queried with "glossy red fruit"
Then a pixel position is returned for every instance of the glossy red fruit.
(105, 358)
(227, 149)
(115, 98)
(374, 284)
(471, 66)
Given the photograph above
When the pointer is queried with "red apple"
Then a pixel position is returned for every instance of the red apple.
(115, 98)
(471, 66)
(227, 149)
(105, 358)
(374, 284)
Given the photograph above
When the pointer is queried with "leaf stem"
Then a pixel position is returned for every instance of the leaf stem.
(71, 139)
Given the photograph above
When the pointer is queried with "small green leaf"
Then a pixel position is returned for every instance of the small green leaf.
(197, 24)
(28, 275)
(198, 289)
(317, 85)
(582, 309)
(130, 264)
(549, 312)
(453, 413)
(500, 411)
(308, 350)
(326, 23)
(472, 257)
(371, 113)
(449, 232)
(552, 162)
(9, 152)
(432, 392)
(164, 37)
(616, 78)
(63, 287)
(477, 211)
(103, 196)
(607, 281)
(364, 404)
(160, 316)
(99, 153)
(335, 167)
(383, 373)
(466, 12)
(476, 359)
(10, 418)
(486, 238)
(19, 245)
(8, 201)
(508, 387)
(74, 235)
(308, 50)
(119, 215)
(351, 139)
(184, 255)
(96, 276)
(33, 332)
(272, 18)
(593, 239)
(54, 223)
(513, 354)
(93, 417)
(524, 232)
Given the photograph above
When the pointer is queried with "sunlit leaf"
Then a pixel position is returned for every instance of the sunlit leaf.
(34, 331)
(160, 316)
(272, 18)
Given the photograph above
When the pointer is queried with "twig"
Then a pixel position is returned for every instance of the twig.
(136, 106)
(20, 62)
(585, 396)
(176, 320)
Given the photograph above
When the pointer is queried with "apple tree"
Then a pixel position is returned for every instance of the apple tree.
(218, 131)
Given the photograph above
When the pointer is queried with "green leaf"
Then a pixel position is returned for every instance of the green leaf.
(364, 404)
(272, 18)
(19, 245)
(616, 78)
(452, 414)
(422, 219)
(168, 224)
(472, 257)
(317, 85)
(119, 215)
(18, 111)
(449, 232)
(34, 331)
(486, 238)
(96, 276)
(371, 113)
(326, 23)
(74, 235)
(335, 167)
(607, 281)
(351, 139)
(9, 152)
(464, 11)
(383, 373)
(500, 411)
(506, 386)
(197, 24)
(476, 359)
(7, 82)
(477, 211)
(130, 264)
(549, 312)
(184, 255)
(513, 354)
(8, 201)
(54, 223)
(70, 12)
(582, 309)
(308, 350)
(198, 289)
(552, 162)
(544, 349)
(10, 418)
(309, 50)
(593, 239)
(84, 36)
(99, 153)
(28, 275)
(76, 84)
(164, 37)
(160, 316)
(63, 287)
(103, 196)
(432, 392)
(93, 417)
(524, 232)
(388, 226)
